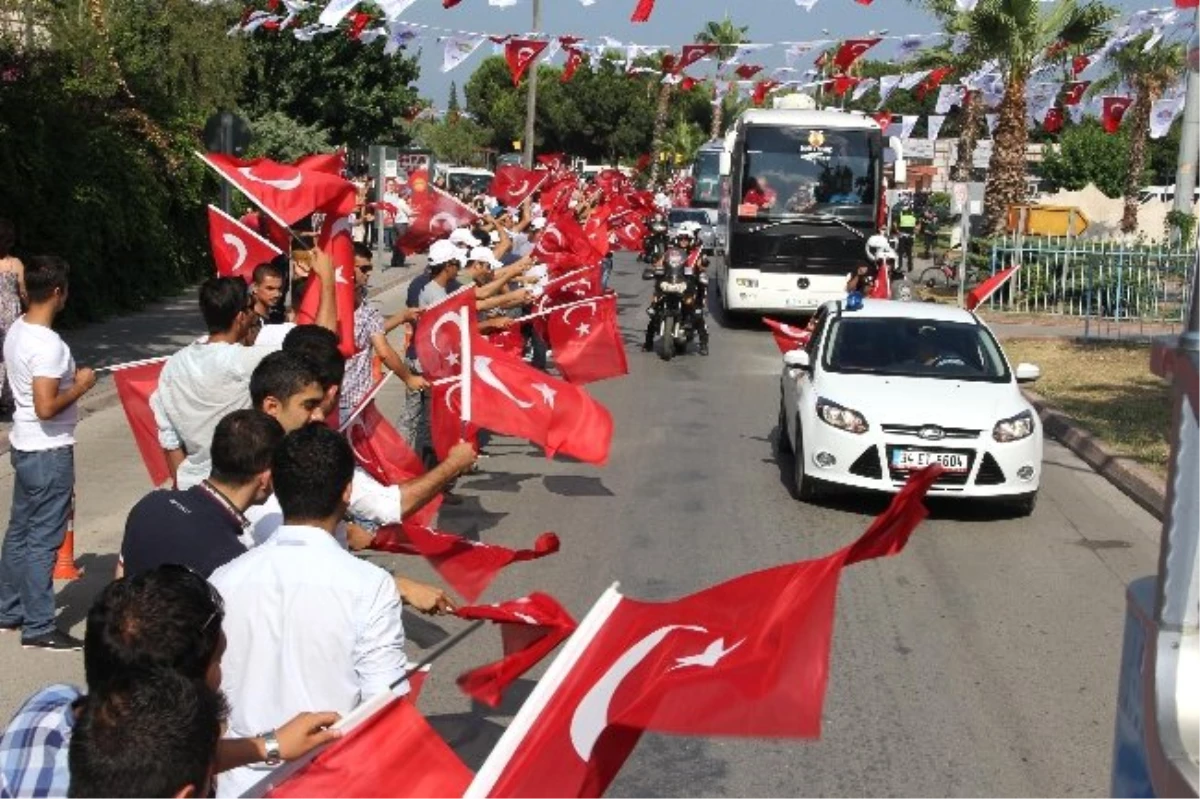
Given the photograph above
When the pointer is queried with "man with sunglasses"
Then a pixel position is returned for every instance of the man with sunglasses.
(165, 619)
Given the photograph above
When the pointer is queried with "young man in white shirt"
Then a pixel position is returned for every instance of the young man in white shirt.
(46, 386)
(307, 624)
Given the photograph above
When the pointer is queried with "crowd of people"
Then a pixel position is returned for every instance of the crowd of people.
(240, 625)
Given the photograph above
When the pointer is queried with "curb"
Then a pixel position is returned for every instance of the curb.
(104, 396)
(1134, 480)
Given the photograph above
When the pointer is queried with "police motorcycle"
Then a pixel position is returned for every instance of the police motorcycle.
(654, 244)
(881, 253)
(676, 312)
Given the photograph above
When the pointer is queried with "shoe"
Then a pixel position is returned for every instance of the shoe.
(56, 641)
(648, 346)
(10, 628)
(704, 349)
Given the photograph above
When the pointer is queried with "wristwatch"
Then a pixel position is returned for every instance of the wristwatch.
(271, 747)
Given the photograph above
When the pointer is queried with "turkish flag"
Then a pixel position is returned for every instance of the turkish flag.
(981, 293)
(556, 193)
(510, 397)
(438, 337)
(612, 182)
(787, 337)
(268, 228)
(1074, 91)
(595, 229)
(135, 385)
(1187, 3)
(1079, 63)
(512, 184)
(391, 752)
(435, 216)
(446, 427)
(586, 341)
(1113, 111)
(336, 241)
(747, 657)
(286, 193)
(467, 566)
(748, 71)
(530, 628)
(630, 234)
(519, 53)
(882, 289)
(555, 162)
(883, 119)
(509, 340)
(842, 84)
(1053, 121)
(382, 452)
(851, 50)
(574, 59)
(759, 96)
(236, 248)
(932, 81)
(692, 53)
(642, 11)
(580, 284)
(562, 244)
(688, 83)
(329, 163)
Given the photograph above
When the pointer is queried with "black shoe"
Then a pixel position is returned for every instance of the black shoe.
(703, 348)
(56, 641)
(10, 628)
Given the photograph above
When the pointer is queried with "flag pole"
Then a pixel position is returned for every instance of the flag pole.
(543, 692)
(237, 222)
(549, 311)
(343, 424)
(467, 367)
(275, 217)
(445, 647)
(116, 367)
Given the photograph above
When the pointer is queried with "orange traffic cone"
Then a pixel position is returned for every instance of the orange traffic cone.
(64, 564)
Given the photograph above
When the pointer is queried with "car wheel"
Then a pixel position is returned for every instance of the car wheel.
(804, 487)
(1024, 505)
(785, 443)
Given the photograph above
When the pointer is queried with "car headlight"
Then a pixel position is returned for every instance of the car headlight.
(746, 282)
(835, 415)
(1014, 428)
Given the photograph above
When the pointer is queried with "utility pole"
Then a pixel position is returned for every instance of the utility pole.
(531, 95)
(1189, 137)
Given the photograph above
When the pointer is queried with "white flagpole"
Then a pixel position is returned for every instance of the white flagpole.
(468, 366)
(116, 367)
(238, 224)
(344, 424)
(551, 310)
(543, 692)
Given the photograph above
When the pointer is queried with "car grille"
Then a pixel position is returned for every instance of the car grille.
(990, 473)
(868, 465)
(915, 430)
(946, 479)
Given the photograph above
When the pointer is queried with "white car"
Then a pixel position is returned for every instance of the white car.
(891, 387)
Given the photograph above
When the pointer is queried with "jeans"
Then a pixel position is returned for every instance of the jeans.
(43, 483)
(606, 267)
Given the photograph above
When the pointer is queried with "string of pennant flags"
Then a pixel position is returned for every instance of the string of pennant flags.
(828, 72)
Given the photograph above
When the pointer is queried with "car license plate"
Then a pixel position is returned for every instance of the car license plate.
(796, 302)
(906, 459)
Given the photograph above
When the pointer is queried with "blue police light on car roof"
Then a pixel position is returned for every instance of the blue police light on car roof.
(854, 301)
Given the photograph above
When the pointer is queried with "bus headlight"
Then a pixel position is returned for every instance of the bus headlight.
(746, 282)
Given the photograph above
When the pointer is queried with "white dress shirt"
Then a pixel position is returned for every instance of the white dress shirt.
(199, 386)
(309, 627)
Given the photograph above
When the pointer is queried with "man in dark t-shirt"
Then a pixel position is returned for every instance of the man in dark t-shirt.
(202, 528)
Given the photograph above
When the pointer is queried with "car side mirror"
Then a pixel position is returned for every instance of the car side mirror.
(797, 359)
(1027, 373)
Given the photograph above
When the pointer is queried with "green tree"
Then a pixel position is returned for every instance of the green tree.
(453, 140)
(726, 35)
(452, 108)
(352, 90)
(1149, 72)
(1018, 34)
(1086, 154)
(281, 138)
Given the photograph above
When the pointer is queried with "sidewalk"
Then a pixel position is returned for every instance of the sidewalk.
(161, 329)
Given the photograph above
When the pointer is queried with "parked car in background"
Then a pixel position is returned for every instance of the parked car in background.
(702, 217)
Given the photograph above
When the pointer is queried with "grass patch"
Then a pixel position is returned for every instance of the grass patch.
(1108, 388)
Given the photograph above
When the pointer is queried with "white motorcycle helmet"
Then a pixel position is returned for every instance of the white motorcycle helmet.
(878, 246)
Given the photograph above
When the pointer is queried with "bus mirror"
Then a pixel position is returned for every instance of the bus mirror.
(725, 164)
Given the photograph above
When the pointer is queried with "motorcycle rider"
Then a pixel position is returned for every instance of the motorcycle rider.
(687, 239)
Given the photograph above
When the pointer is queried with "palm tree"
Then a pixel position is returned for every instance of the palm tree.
(665, 89)
(1018, 35)
(1148, 73)
(683, 140)
(727, 37)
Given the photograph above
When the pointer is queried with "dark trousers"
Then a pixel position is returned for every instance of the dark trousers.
(906, 251)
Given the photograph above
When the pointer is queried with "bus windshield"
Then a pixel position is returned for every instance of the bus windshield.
(787, 171)
(706, 174)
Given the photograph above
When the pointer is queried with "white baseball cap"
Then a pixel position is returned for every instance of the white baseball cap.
(443, 251)
(538, 223)
(463, 237)
(485, 255)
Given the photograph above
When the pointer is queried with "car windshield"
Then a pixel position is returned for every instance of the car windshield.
(679, 216)
(789, 171)
(706, 171)
(467, 182)
(902, 347)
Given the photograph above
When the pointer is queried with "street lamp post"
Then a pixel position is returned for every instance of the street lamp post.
(531, 94)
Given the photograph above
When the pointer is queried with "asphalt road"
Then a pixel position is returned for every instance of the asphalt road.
(981, 661)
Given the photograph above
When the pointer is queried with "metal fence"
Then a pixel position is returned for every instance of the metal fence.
(1097, 279)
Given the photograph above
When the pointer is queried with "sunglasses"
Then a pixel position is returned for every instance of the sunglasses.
(214, 596)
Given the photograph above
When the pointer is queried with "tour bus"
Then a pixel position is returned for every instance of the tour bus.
(805, 189)
(706, 175)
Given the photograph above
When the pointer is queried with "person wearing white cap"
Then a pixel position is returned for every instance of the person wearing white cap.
(491, 279)
(463, 237)
(445, 259)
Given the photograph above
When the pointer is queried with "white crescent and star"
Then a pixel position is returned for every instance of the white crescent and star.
(449, 317)
(275, 183)
(546, 392)
(483, 368)
(591, 714)
(583, 328)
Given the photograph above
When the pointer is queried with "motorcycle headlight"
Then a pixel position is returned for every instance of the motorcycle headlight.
(664, 286)
(1014, 428)
(840, 417)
